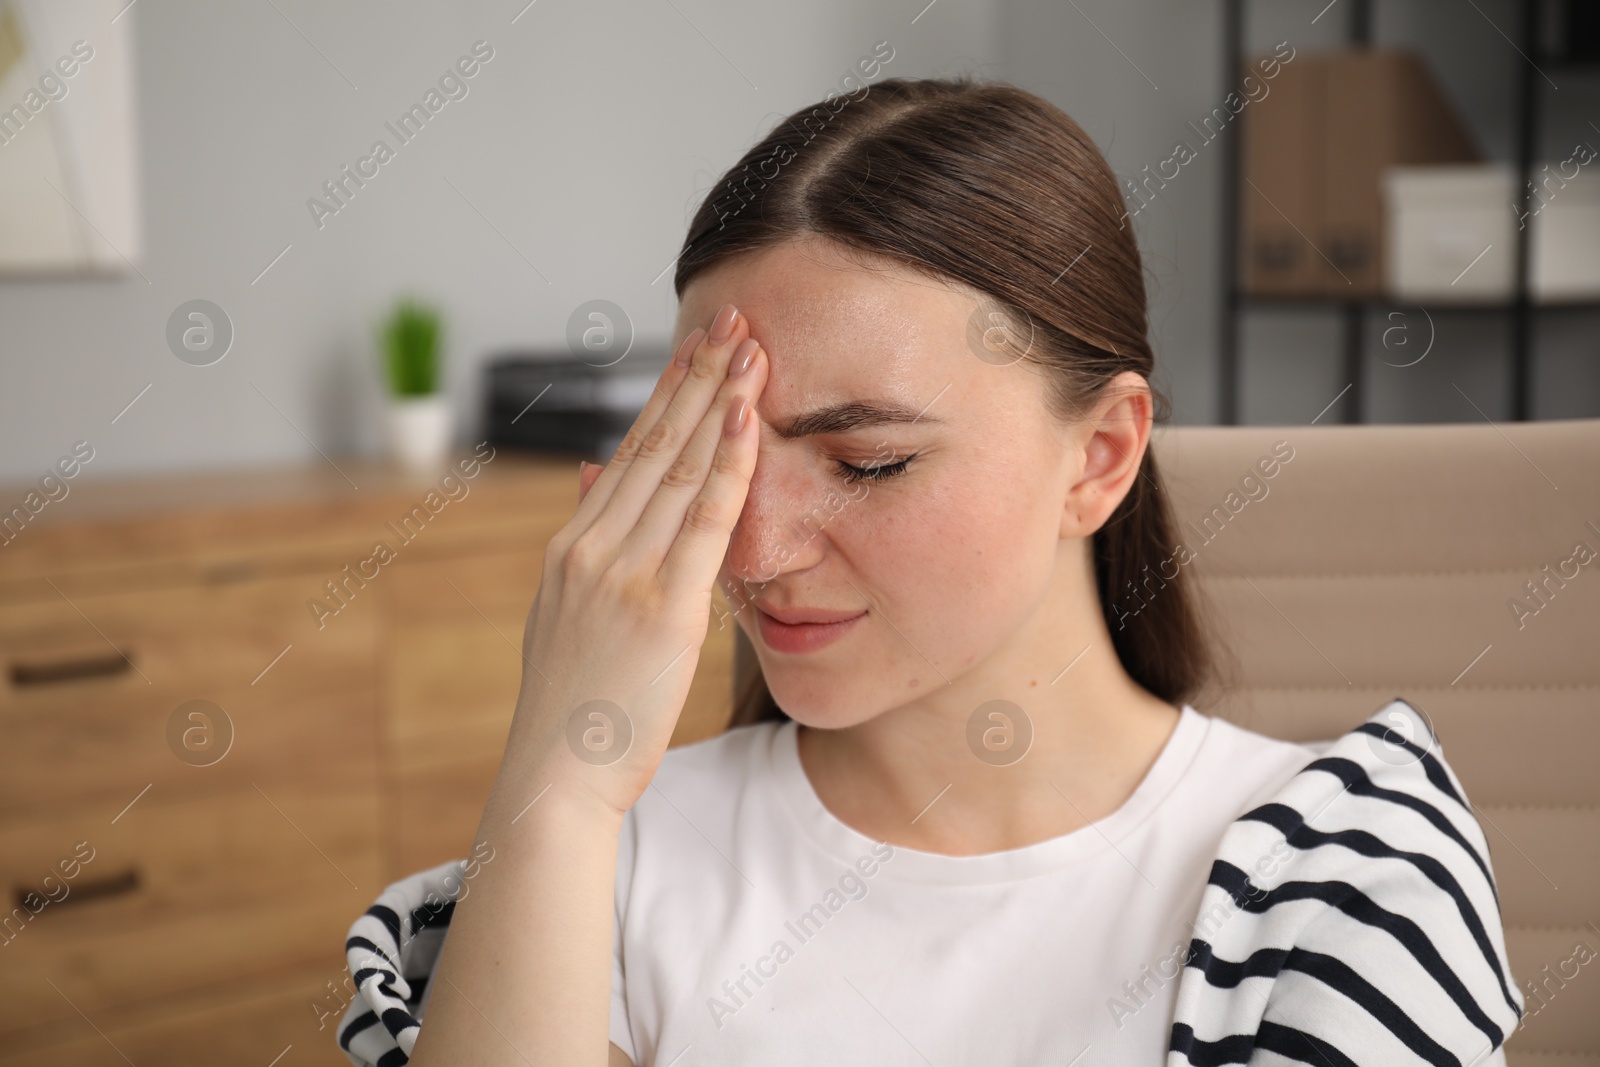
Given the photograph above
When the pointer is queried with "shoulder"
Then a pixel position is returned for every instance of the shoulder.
(1230, 740)
(1358, 907)
(1237, 768)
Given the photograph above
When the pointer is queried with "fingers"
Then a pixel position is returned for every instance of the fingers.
(682, 500)
(593, 502)
(700, 542)
(650, 449)
(587, 474)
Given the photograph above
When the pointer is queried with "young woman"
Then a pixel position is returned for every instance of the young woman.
(966, 812)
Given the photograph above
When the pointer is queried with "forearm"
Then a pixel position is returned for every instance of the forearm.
(525, 973)
(625, 592)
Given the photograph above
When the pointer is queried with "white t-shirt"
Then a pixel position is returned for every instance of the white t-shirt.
(752, 926)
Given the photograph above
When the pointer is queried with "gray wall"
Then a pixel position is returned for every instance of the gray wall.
(569, 172)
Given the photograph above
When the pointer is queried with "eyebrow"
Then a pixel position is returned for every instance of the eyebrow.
(851, 415)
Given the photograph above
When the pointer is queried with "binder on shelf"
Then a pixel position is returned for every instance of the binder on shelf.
(1315, 151)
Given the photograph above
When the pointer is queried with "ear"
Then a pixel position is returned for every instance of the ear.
(1113, 435)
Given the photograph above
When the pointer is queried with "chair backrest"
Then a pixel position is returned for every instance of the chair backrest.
(1457, 566)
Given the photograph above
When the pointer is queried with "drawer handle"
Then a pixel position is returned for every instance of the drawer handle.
(72, 670)
(115, 885)
(238, 570)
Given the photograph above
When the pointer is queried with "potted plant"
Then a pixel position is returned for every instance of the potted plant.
(419, 412)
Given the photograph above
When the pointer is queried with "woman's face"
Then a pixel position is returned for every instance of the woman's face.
(952, 557)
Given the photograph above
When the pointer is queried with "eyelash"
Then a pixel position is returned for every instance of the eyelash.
(882, 472)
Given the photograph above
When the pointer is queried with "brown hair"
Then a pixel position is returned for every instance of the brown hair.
(995, 188)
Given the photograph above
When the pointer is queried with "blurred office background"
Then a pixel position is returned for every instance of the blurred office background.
(198, 367)
(569, 170)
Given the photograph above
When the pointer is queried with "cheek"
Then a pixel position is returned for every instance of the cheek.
(960, 563)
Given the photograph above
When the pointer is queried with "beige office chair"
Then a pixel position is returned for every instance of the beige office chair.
(1383, 561)
(1390, 561)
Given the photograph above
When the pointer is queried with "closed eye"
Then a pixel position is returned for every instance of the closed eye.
(877, 473)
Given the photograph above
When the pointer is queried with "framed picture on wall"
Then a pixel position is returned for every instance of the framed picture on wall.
(69, 175)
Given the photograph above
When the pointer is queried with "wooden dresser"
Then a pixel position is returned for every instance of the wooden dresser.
(205, 775)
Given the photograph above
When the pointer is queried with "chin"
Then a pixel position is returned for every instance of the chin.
(837, 712)
(826, 721)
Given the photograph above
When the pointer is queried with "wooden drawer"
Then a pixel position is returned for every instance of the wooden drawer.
(213, 916)
(179, 898)
(244, 1027)
(432, 812)
(86, 726)
(454, 629)
(433, 804)
(710, 702)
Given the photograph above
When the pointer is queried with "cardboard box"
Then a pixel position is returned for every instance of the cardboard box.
(1313, 156)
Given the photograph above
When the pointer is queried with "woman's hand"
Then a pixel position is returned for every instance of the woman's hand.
(609, 651)
(624, 601)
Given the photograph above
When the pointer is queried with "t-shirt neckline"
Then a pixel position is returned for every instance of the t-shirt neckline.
(1093, 841)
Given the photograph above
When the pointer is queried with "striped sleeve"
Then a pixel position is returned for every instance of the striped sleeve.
(391, 951)
(1352, 919)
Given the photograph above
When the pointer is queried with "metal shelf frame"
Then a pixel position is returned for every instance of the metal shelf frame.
(1352, 313)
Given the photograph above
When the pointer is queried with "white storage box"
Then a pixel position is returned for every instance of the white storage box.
(1450, 232)
(1564, 251)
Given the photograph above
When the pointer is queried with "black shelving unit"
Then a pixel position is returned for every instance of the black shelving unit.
(1352, 313)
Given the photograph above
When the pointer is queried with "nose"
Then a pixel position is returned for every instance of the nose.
(778, 531)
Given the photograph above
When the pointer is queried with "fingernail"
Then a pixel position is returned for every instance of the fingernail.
(685, 351)
(736, 413)
(722, 325)
(744, 357)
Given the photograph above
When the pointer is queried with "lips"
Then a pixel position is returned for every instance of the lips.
(799, 616)
(816, 629)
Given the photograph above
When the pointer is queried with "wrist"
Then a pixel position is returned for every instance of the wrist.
(540, 754)
(549, 791)
(578, 801)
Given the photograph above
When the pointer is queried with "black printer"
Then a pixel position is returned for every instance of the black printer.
(553, 402)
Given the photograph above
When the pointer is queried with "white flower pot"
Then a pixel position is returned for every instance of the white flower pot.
(419, 431)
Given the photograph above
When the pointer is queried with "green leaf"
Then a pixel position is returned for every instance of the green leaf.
(410, 341)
